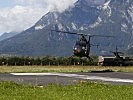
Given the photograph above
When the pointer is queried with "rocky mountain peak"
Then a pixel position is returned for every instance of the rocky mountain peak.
(91, 2)
(106, 17)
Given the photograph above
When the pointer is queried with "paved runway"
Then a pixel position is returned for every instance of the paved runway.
(67, 78)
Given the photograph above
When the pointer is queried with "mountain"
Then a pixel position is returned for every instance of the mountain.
(7, 35)
(103, 17)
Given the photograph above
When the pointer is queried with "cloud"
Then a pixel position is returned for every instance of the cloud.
(56, 5)
(60, 5)
(19, 18)
(26, 13)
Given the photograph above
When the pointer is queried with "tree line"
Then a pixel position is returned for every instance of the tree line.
(48, 60)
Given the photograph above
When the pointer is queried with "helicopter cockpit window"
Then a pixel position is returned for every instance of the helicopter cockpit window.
(81, 43)
(78, 43)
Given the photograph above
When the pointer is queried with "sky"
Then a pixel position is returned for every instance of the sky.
(19, 15)
(6, 3)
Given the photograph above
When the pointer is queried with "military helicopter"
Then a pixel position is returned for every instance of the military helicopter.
(117, 60)
(83, 45)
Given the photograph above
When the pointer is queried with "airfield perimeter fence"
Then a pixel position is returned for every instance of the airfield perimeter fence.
(44, 61)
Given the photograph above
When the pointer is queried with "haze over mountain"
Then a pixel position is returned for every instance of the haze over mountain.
(7, 35)
(103, 17)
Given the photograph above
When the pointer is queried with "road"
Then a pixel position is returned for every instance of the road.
(67, 78)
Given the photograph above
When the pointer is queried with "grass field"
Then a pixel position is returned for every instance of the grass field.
(81, 91)
(8, 69)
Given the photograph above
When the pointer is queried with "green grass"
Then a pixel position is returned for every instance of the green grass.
(9, 69)
(81, 91)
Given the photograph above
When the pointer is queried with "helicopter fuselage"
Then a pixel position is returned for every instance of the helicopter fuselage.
(81, 49)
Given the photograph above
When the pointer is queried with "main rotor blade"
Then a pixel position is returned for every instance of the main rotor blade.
(65, 32)
(101, 36)
(71, 33)
(81, 34)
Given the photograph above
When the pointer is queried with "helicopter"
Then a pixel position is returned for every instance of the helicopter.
(117, 60)
(83, 45)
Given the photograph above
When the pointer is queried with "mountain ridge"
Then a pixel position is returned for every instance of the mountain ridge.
(113, 17)
(8, 35)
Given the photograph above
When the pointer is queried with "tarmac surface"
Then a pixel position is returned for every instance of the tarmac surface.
(67, 78)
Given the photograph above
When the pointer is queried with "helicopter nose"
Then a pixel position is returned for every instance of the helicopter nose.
(76, 50)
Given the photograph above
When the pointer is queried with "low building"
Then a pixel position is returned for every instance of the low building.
(106, 60)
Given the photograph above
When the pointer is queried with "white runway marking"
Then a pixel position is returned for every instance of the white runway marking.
(107, 79)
